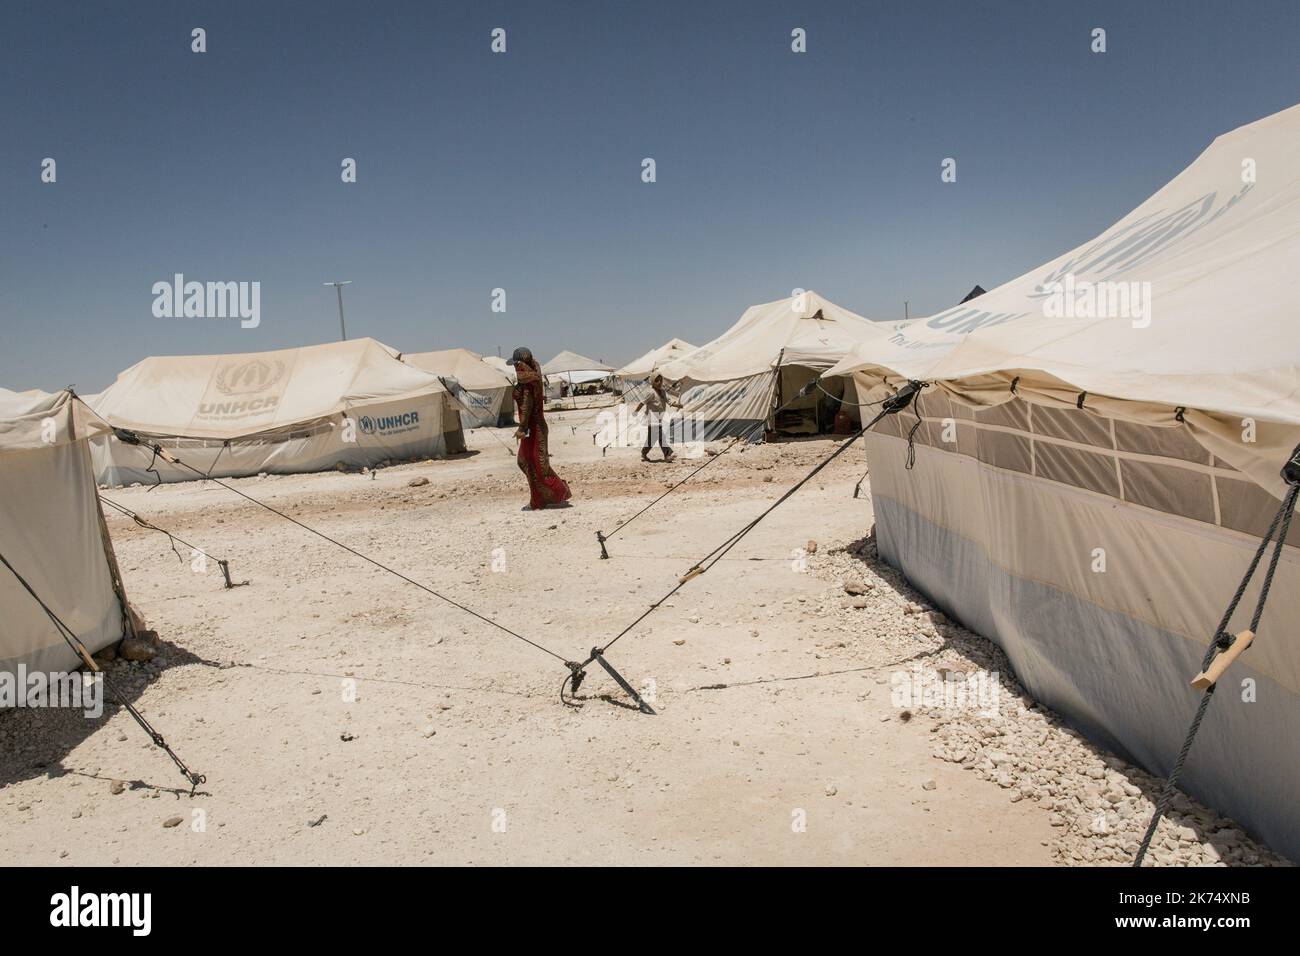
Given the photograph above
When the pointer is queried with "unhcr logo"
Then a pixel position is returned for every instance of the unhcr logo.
(244, 378)
(179, 299)
(388, 424)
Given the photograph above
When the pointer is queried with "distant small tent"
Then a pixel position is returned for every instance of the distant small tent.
(974, 293)
(736, 382)
(640, 369)
(481, 391)
(574, 369)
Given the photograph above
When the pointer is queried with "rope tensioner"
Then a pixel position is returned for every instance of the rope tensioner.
(1225, 648)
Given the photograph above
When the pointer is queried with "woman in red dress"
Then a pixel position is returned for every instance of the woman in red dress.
(545, 487)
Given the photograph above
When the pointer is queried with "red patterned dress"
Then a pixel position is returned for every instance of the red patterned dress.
(545, 487)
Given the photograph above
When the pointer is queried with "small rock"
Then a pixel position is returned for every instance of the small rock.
(929, 784)
(417, 482)
(171, 822)
(811, 546)
(142, 647)
(116, 787)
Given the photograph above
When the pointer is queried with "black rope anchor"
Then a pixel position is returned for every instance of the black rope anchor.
(578, 672)
(144, 523)
(78, 648)
(1225, 648)
(858, 487)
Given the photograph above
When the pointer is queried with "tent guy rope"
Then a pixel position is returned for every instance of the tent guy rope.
(70, 638)
(1226, 648)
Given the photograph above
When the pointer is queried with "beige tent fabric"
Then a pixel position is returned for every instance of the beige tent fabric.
(502, 366)
(803, 330)
(1104, 605)
(235, 396)
(641, 368)
(484, 395)
(468, 368)
(51, 531)
(345, 404)
(729, 386)
(1208, 266)
(34, 419)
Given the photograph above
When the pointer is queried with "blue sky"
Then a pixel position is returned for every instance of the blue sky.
(522, 171)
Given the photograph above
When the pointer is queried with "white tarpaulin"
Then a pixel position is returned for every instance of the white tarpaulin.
(502, 366)
(1188, 301)
(1090, 470)
(642, 368)
(567, 363)
(52, 532)
(483, 391)
(732, 383)
(347, 404)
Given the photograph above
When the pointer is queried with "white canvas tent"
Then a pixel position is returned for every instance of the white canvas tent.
(502, 366)
(1131, 403)
(634, 377)
(575, 369)
(343, 404)
(483, 391)
(640, 369)
(736, 381)
(53, 533)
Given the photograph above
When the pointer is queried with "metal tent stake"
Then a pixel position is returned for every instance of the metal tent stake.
(578, 672)
(225, 571)
(641, 705)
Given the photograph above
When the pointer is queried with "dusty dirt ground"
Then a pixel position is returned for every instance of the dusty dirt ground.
(776, 740)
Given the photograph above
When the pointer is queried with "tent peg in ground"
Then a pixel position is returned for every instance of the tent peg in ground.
(641, 705)
(577, 672)
(224, 565)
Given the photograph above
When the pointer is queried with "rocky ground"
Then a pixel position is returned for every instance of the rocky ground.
(343, 716)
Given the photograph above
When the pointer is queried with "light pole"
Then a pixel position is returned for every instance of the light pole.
(338, 287)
